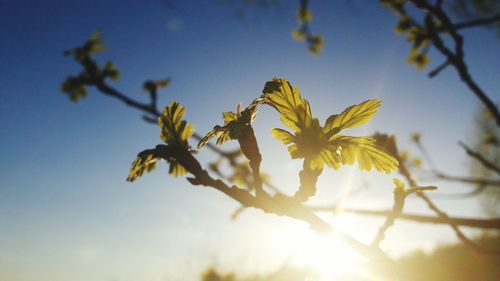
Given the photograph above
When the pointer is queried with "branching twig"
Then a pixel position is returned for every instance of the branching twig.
(284, 206)
(456, 57)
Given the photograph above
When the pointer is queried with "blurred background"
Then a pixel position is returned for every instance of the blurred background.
(67, 212)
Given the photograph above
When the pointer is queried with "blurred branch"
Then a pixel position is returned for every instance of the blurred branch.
(468, 222)
(469, 180)
(478, 22)
(438, 69)
(391, 216)
(453, 196)
(476, 155)
(390, 145)
(455, 57)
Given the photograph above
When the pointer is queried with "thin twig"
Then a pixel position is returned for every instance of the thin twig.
(467, 222)
(478, 22)
(470, 180)
(476, 155)
(438, 69)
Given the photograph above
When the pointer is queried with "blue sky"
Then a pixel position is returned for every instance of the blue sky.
(65, 208)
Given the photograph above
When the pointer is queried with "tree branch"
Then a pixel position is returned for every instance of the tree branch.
(478, 22)
(456, 58)
(467, 222)
(476, 155)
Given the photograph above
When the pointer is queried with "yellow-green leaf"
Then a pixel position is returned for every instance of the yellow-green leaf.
(364, 151)
(285, 98)
(229, 116)
(304, 16)
(420, 59)
(398, 183)
(331, 158)
(353, 116)
(176, 169)
(141, 164)
(221, 132)
(284, 136)
(299, 35)
(147, 159)
(315, 44)
(174, 130)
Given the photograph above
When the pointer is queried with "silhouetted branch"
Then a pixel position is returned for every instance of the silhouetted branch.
(438, 69)
(478, 22)
(147, 108)
(109, 91)
(285, 206)
(456, 57)
(392, 148)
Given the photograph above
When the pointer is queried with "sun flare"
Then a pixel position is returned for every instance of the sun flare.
(327, 255)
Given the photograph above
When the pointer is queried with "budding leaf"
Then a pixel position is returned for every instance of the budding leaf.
(366, 153)
(323, 145)
(285, 98)
(353, 116)
(174, 130)
(234, 124)
(75, 88)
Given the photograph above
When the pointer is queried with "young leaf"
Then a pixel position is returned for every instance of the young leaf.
(147, 159)
(221, 132)
(353, 116)
(285, 98)
(174, 130)
(75, 88)
(284, 136)
(145, 162)
(111, 71)
(398, 183)
(234, 124)
(365, 152)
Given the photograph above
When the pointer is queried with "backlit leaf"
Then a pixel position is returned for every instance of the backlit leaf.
(221, 132)
(284, 136)
(304, 16)
(174, 130)
(229, 116)
(147, 159)
(364, 151)
(299, 35)
(234, 124)
(398, 183)
(353, 116)
(285, 98)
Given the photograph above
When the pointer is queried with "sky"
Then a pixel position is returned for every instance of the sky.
(66, 211)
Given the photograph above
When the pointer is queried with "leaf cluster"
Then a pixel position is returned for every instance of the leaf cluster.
(76, 86)
(320, 145)
(303, 33)
(317, 144)
(175, 132)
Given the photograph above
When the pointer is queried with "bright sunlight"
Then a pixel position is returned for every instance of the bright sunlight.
(328, 255)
